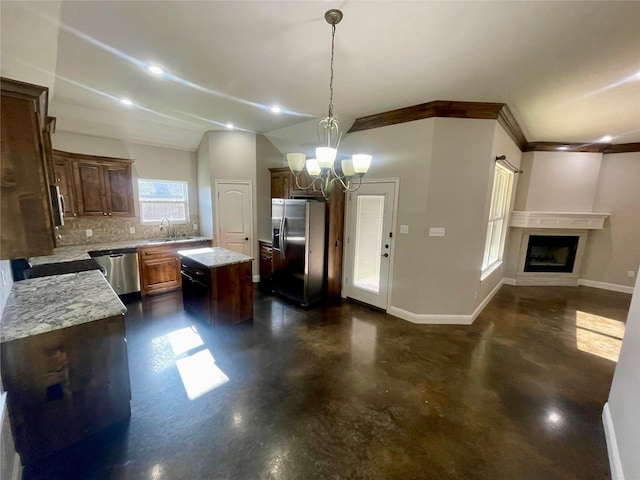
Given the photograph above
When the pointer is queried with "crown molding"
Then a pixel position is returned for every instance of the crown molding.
(484, 111)
(581, 147)
(445, 108)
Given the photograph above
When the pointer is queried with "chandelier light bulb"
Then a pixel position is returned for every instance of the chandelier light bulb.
(326, 156)
(347, 168)
(313, 168)
(361, 162)
(296, 161)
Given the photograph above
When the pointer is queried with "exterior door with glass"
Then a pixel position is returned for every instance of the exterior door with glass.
(369, 240)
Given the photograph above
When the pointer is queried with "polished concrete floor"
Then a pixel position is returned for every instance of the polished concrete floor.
(346, 392)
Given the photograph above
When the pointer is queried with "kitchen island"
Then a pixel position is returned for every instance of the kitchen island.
(217, 285)
(64, 361)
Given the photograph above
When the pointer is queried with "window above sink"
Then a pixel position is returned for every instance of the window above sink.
(163, 199)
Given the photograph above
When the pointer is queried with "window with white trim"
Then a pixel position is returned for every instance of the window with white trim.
(498, 216)
(163, 199)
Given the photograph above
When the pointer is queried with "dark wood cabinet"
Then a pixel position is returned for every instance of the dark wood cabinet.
(63, 178)
(280, 182)
(218, 295)
(266, 258)
(283, 184)
(160, 267)
(26, 220)
(66, 384)
(103, 186)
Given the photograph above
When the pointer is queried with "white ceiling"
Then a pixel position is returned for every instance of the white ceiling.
(569, 71)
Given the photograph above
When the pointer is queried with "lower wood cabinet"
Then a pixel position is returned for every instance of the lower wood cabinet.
(66, 384)
(160, 267)
(266, 259)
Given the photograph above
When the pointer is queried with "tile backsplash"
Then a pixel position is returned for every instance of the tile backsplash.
(74, 231)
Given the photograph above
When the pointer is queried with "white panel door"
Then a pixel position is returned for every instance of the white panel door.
(369, 236)
(234, 215)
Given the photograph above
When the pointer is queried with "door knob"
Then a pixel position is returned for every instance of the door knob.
(386, 255)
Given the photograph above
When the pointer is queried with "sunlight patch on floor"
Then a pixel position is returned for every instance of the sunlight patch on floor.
(598, 335)
(195, 363)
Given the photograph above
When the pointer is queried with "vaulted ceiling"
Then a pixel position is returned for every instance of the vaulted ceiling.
(569, 71)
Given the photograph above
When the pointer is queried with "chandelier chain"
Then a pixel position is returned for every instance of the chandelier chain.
(333, 36)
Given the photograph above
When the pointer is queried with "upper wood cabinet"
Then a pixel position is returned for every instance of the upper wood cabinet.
(63, 178)
(283, 184)
(95, 186)
(280, 182)
(26, 221)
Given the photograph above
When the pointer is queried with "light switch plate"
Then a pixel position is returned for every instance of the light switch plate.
(89, 232)
(132, 230)
(631, 274)
(436, 231)
(404, 228)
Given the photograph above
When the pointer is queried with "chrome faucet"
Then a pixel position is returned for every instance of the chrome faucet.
(168, 226)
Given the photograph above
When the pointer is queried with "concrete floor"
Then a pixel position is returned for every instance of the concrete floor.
(349, 393)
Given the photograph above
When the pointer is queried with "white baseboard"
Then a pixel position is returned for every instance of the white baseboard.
(429, 318)
(256, 278)
(443, 319)
(612, 445)
(17, 468)
(509, 281)
(486, 301)
(605, 286)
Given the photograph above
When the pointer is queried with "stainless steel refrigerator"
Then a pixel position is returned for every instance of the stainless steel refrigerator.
(297, 229)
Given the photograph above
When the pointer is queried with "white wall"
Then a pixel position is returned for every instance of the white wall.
(624, 397)
(445, 166)
(205, 189)
(267, 156)
(232, 156)
(615, 250)
(559, 181)
(404, 151)
(150, 162)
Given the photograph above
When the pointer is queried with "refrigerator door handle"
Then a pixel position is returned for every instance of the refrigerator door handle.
(283, 237)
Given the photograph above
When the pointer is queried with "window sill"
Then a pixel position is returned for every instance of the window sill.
(486, 273)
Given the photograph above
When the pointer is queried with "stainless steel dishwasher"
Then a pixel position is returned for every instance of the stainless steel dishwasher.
(120, 267)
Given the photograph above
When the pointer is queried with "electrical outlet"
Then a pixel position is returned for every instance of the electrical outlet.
(404, 228)
(436, 232)
(132, 230)
(631, 274)
(195, 227)
(89, 232)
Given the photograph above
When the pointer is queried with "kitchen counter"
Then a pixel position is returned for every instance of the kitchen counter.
(41, 305)
(214, 257)
(80, 252)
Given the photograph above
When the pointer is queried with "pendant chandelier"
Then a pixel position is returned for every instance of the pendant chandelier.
(322, 170)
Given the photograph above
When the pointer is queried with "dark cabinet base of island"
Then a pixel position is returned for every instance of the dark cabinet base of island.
(220, 295)
(66, 384)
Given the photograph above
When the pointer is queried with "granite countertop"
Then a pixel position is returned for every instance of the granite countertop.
(45, 304)
(213, 257)
(80, 252)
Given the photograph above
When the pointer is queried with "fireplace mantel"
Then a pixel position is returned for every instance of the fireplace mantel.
(564, 220)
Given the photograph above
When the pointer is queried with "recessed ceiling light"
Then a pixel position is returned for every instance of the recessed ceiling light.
(563, 148)
(126, 101)
(156, 70)
(276, 109)
(606, 138)
(230, 126)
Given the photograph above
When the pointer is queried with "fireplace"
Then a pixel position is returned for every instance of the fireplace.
(549, 256)
(551, 253)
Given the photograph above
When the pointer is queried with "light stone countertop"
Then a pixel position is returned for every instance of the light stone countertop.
(45, 304)
(80, 252)
(213, 257)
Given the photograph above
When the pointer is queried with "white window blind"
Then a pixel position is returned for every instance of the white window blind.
(498, 215)
(163, 198)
